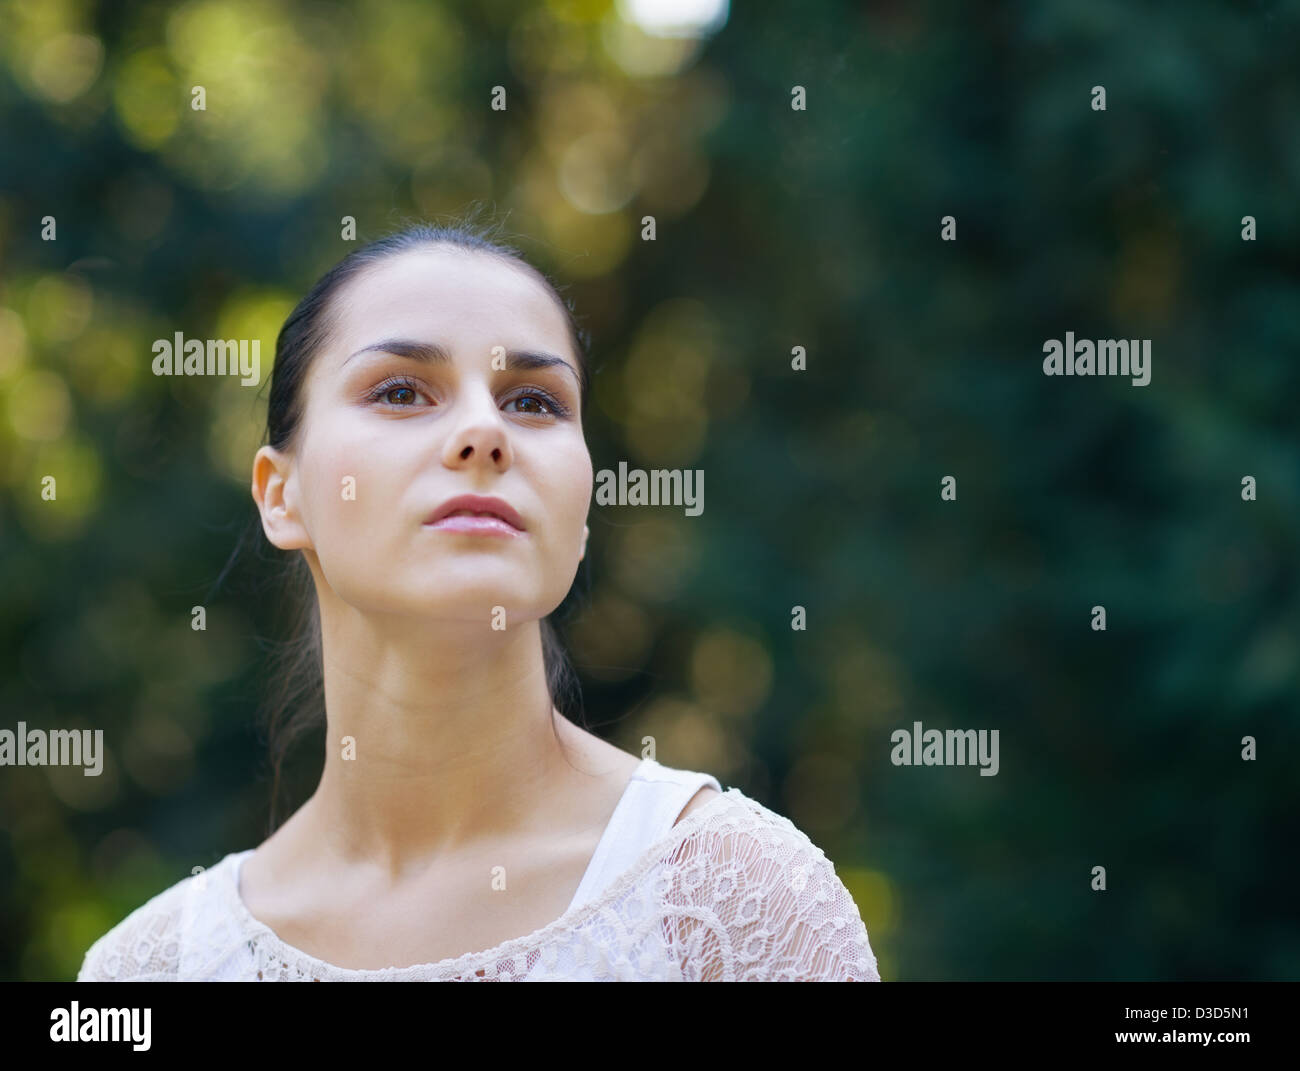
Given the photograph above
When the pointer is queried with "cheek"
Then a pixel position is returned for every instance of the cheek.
(352, 491)
(570, 482)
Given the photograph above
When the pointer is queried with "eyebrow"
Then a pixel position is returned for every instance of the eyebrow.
(432, 353)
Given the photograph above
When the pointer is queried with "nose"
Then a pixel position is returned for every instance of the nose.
(479, 436)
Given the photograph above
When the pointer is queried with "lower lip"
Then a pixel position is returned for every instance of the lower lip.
(491, 526)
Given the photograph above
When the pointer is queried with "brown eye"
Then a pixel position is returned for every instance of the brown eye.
(541, 407)
(549, 406)
(399, 393)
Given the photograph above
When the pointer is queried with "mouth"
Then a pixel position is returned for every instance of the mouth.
(476, 515)
(475, 524)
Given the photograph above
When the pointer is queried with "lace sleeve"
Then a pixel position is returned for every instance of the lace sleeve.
(143, 947)
(755, 900)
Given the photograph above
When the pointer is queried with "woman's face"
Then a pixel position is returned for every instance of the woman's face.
(386, 439)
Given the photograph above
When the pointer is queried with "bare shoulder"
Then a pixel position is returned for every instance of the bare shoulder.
(279, 876)
(697, 801)
(597, 756)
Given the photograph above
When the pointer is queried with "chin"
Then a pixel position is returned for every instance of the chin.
(464, 600)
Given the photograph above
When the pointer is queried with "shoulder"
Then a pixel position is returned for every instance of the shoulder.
(757, 900)
(702, 797)
(145, 946)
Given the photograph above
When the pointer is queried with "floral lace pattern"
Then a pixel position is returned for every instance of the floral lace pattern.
(733, 892)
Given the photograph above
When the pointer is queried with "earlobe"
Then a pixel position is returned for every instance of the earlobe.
(582, 553)
(274, 492)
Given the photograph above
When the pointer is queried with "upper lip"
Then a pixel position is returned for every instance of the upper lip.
(479, 504)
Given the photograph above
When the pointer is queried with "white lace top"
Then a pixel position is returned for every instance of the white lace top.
(732, 892)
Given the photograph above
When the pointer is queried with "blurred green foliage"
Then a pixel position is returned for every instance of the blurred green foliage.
(776, 228)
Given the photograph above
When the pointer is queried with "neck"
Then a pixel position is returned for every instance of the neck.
(439, 736)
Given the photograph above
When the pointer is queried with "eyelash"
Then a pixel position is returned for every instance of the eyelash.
(558, 408)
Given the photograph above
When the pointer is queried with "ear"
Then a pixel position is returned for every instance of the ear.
(585, 533)
(275, 490)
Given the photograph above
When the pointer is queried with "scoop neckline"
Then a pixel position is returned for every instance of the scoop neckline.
(570, 918)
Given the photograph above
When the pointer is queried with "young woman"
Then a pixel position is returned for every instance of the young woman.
(426, 460)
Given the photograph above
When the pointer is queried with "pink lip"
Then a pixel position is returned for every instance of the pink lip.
(504, 520)
(476, 526)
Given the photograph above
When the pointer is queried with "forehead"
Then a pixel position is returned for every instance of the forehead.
(453, 296)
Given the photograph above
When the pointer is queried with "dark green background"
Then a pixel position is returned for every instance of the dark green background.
(776, 228)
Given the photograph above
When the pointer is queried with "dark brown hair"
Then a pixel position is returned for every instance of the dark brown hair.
(297, 704)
